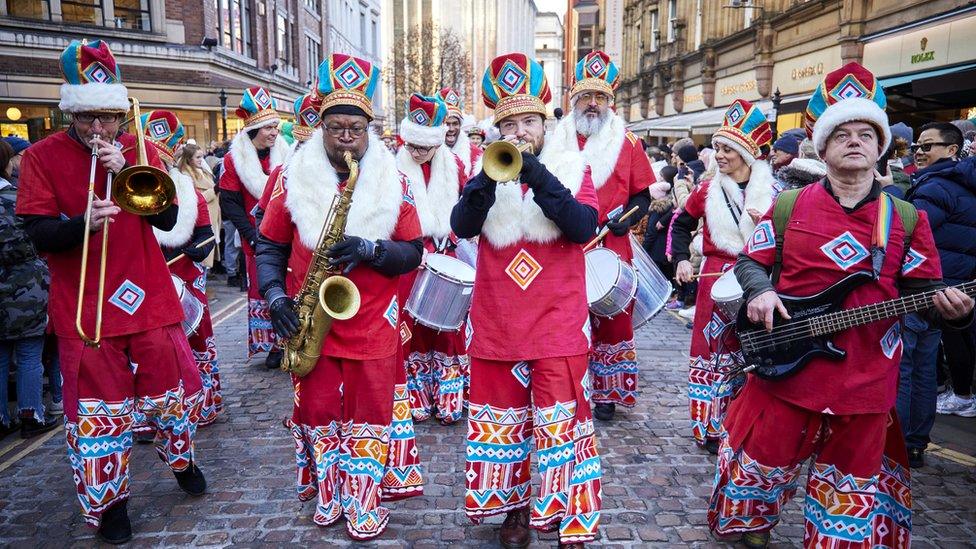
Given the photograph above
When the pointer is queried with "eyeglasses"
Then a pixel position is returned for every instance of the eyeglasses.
(104, 118)
(336, 131)
(419, 150)
(926, 147)
(601, 98)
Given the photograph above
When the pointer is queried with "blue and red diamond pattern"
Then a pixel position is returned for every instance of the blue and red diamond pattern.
(736, 113)
(128, 297)
(714, 328)
(762, 237)
(891, 339)
(262, 99)
(912, 260)
(310, 117)
(391, 312)
(511, 77)
(848, 88)
(350, 75)
(596, 66)
(96, 72)
(845, 251)
(420, 117)
(522, 373)
(159, 128)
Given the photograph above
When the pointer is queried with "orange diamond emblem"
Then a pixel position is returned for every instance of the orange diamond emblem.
(523, 269)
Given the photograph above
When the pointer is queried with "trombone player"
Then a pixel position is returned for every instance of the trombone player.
(121, 345)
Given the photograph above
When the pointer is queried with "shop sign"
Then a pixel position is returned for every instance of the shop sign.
(803, 73)
(931, 47)
(737, 86)
(694, 99)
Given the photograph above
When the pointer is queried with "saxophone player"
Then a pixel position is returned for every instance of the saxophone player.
(343, 406)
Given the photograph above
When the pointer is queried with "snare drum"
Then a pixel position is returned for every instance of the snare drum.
(727, 295)
(192, 308)
(441, 295)
(653, 289)
(467, 251)
(610, 282)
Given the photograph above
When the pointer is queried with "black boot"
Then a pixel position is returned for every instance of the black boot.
(711, 445)
(234, 280)
(273, 361)
(13, 427)
(191, 480)
(604, 410)
(30, 427)
(115, 527)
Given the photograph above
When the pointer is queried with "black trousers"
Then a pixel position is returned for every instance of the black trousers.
(960, 355)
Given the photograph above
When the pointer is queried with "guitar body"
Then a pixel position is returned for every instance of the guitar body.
(771, 355)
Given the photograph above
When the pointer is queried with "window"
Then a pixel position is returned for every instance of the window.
(29, 9)
(88, 12)
(672, 18)
(234, 25)
(312, 5)
(284, 34)
(132, 14)
(374, 39)
(312, 57)
(362, 31)
(655, 30)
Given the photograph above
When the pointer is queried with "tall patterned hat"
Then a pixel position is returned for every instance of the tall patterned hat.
(92, 79)
(306, 116)
(515, 84)
(455, 107)
(595, 72)
(346, 85)
(258, 109)
(745, 129)
(424, 123)
(164, 130)
(848, 94)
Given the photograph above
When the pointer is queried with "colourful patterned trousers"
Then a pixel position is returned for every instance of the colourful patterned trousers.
(148, 374)
(613, 360)
(261, 337)
(857, 491)
(204, 348)
(710, 392)
(435, 373)
(342, 444)
(514, 404)
(403, 477)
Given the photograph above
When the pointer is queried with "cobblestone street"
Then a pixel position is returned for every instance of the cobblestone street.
(655, 483)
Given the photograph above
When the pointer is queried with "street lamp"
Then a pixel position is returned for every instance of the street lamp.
(774, 114)
(223, 110)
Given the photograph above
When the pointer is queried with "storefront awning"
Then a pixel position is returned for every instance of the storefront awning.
(893, 81)
(687, 124)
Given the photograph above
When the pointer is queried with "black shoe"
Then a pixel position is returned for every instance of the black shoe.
(273, 361)
(30, 427)
(115, 527)
(9, 429)
(916, 458)
(712, 446)
(191, 480)
(755, 540)
(604, 411)
(234, 280)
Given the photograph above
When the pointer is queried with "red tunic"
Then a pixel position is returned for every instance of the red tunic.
(139, 294)
(695, 206)
(823, 245)
(373, 333)
(529, 300)
(230, 181)
(185, 268)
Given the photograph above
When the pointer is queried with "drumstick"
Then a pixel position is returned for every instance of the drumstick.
(603, 232)
(706, 275)
(200, 245)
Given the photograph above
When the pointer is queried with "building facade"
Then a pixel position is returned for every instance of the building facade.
(174, 54)
(549, 52)
(685, 61)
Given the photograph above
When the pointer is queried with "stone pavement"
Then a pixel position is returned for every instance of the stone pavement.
(655, 484)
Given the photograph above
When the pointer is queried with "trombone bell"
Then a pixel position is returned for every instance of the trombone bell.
(143, 190)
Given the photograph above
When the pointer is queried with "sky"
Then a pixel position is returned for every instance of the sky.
(558, 6)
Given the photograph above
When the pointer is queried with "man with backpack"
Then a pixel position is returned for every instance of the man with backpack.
(837, 411)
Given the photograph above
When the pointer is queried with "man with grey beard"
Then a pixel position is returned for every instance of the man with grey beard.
(621, 175)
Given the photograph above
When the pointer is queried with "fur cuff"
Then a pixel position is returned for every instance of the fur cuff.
(424, 136)
(94, 97)
(850, 110)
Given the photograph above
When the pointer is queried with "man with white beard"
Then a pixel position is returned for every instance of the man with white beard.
(621, 176)
(457, 139)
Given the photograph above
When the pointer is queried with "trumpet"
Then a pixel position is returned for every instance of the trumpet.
(140, 189)
(502, 160)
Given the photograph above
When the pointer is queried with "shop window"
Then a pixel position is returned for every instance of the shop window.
(132, 14)
(312, 57)
(29, 9)
(86, 12)
(234, 25)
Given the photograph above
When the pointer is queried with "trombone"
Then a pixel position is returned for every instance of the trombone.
(140, 189)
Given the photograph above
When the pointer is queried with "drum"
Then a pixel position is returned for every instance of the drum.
(727, 295)
(610, 282)
(441, 295)
(467, 251)
(653, 289)
(192, 308)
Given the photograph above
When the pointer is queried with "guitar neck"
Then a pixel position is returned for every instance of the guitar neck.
(865, 314)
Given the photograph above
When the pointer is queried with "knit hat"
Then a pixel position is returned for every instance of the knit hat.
(848, 94)
(595, 72)
(688, 153)
(745, 129)
(92, 79)
(164, 130)
(424, 123)
(475, 130)
(451, 98)
(515, 84)
(18, 144)
(346, 85)
(258, 109)
(307, 118)
(903, 131)
(787, 144)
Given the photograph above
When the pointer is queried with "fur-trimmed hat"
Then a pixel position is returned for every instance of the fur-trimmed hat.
(745, 129)
(848, 94)
(92, 79)
(451, 98)
(163, 129)
(515, 84)
(346, 85)
(595, 72)
(424, 123)
(257, 109)
(307, 117)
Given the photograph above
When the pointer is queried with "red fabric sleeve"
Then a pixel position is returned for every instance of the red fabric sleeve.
(922, 258)
(695, 205)
(269, 188)
(276, 224)
(229, 180)
(761, 246)
(641, 175)
(408, 224)
(587, 193)
(35, 193)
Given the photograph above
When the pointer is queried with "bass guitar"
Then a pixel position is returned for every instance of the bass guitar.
(793, 343)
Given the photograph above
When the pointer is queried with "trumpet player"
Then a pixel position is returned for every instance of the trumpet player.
(140, 361)
(529, 320)
(343, 409)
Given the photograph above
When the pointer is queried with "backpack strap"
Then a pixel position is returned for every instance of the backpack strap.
(782, 211)
(909, 217)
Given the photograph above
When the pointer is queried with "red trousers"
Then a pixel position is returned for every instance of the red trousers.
(435, 363)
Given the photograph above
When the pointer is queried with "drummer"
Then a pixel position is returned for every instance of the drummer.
(435, 360)
(730, 204)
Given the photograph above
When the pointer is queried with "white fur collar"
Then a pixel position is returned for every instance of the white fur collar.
(311, 182)
(759, 192)
(436, 199)
(186, 215)
(514, 216)
(602, 149)
(462, 148)
(248, 165)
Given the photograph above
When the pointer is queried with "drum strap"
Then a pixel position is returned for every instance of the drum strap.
(733, 209)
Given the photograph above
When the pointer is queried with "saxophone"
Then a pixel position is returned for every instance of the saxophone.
(325, 294)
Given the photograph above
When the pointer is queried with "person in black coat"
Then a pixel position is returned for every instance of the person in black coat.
(658, 221)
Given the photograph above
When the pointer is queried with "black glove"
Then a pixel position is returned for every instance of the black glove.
(283, 317)
(533, 172)
(618, 228)
(352, 251)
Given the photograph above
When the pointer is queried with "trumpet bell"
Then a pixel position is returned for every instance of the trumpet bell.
(143, 190)
(502, 161)
(339, 297)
